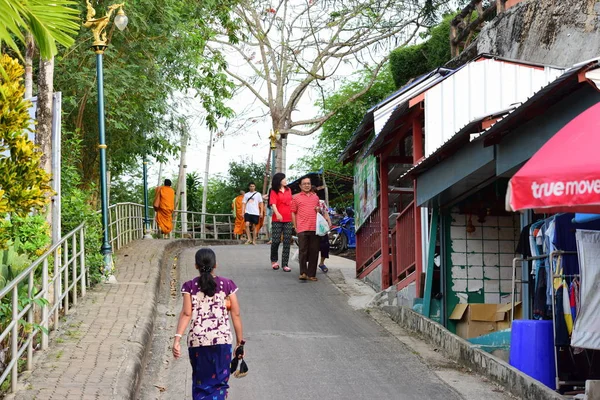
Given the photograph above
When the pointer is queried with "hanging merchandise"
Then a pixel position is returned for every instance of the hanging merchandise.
(586, 332)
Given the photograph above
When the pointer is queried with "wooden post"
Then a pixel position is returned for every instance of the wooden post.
(384, 215)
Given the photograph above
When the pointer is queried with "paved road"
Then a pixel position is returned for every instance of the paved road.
(304, 340)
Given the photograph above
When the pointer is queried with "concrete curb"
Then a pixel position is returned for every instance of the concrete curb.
(515, 382)
(139, 343)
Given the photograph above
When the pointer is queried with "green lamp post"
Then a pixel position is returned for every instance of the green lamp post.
(98, 26)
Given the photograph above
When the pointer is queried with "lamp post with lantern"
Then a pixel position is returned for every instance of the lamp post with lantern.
(99, 45)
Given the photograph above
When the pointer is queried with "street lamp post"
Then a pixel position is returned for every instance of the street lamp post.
(98, 26)
(147, 233)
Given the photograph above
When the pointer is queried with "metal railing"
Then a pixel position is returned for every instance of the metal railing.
(368, 239)
(125, 223)
(216, 226)
(33, 302)
(39, 294)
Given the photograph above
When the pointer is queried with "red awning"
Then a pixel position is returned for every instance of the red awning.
(564, 175)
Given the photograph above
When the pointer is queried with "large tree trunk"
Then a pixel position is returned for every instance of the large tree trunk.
(29, 50)
(280, 151)
(43, 131)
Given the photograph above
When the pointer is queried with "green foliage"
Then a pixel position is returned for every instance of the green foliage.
(31, 232)
(411, 61)
(194, 192)
(160, 58)
(77, 208)
(222, 190)
(338, 130)
(48, 23)
(12, 262)
(23, 184)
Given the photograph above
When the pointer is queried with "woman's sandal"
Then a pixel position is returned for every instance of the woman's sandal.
(275, 266)
(287, 269)
(324, 268)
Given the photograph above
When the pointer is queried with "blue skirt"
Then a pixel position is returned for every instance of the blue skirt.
(210, 371)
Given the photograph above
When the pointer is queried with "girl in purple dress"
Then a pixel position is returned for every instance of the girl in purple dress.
(206, 300)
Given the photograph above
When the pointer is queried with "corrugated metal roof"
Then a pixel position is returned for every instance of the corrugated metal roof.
(512, 117)
(367, 124)
(401, 110)
(495, 131)
(480, 88)
(460, 138)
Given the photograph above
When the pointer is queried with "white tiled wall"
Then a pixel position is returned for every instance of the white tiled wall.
(482, 260)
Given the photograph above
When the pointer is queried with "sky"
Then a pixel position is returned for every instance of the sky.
(251, 143)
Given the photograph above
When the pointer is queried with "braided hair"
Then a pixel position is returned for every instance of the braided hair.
(206, 261)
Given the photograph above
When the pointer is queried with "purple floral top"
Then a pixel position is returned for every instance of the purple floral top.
(210, 319)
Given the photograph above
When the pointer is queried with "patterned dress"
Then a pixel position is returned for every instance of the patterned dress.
(209, 339)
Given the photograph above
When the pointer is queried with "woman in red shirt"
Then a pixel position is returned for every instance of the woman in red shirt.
(280, 201)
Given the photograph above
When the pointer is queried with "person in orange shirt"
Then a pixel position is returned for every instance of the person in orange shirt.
(239, 228)
(164, 205)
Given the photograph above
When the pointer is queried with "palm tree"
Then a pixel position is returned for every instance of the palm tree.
(47, 22)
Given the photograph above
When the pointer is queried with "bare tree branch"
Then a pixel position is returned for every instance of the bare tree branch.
(304, 43)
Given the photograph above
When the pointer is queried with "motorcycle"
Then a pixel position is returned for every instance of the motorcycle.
(342, 235)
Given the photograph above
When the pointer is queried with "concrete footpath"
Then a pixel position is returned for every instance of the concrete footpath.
(307, 339)
(98, 350)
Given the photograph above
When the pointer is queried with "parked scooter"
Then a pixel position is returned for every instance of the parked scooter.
(342, 236)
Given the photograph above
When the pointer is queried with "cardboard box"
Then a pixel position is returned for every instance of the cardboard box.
(473, 320)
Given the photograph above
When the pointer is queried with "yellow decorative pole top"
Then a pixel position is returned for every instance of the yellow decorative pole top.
(98, 25)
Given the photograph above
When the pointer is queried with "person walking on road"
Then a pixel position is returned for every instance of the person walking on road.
(253, 210)
(209, 338)
(280, 199)
(237, 207)
(305, 206)
(164, 205)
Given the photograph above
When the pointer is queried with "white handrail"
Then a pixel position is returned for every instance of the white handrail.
(51, 293)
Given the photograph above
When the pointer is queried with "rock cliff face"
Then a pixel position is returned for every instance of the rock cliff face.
(552, 32)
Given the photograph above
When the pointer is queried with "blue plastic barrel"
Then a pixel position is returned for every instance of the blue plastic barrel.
(532, 350)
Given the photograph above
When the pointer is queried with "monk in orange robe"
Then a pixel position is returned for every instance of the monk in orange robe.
(164, 205)
(240, 227)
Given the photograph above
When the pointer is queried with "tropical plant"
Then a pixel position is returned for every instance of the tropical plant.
(12, 262)
(194, 192)
(47, 22)
(23, 184)
(77, 208)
